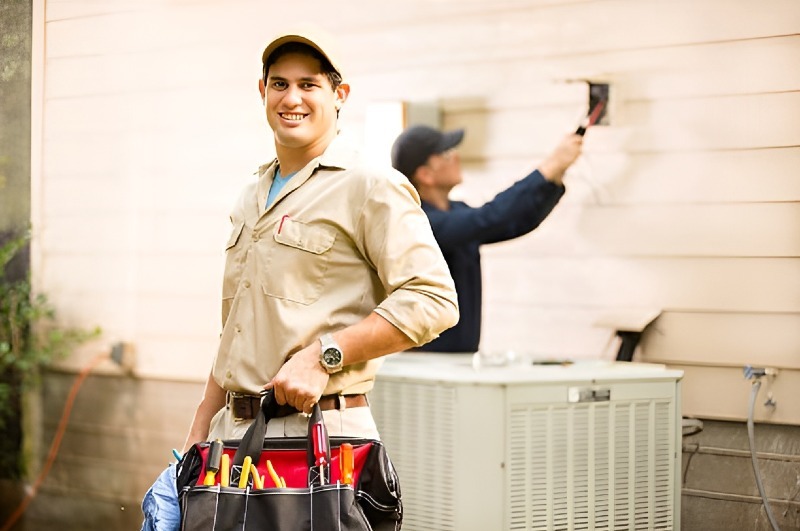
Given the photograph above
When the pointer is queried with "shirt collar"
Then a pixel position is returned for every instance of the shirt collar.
(339, 155)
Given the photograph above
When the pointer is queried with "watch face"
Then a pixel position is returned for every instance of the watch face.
(332, 357)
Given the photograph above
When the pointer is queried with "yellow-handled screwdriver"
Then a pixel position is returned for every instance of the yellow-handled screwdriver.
(245, 471)
(225, 471)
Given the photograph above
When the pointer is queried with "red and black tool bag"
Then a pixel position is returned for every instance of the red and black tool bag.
(308, 502)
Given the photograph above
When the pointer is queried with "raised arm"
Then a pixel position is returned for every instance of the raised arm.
(513, 212)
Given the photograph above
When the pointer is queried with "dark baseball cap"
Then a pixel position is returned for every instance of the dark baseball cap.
(417, 143)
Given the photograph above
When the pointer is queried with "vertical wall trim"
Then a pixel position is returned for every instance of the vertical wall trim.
(38, 64)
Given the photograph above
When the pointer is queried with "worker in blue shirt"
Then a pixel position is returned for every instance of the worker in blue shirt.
(429, 159)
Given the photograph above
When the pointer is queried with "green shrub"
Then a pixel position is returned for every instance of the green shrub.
(30, 339)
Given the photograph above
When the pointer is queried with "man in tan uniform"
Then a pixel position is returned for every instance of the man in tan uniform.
(341, 255)
(331, 264)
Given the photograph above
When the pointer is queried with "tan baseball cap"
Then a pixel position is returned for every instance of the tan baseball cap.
(317, 40)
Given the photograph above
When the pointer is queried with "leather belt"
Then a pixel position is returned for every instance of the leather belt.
(246, 407)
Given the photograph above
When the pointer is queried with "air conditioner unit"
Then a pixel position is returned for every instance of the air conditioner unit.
(581, 446)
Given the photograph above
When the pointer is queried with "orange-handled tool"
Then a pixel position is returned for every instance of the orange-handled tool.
(274, 475)
(258, 481)
(346, 463)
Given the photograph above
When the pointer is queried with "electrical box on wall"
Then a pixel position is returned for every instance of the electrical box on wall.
(600, 92)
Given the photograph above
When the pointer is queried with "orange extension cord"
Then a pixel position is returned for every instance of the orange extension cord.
(51, 456)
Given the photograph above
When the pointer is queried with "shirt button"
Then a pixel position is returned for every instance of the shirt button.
(229, 375)
(246, 283)
(255, 237)
(238, 328)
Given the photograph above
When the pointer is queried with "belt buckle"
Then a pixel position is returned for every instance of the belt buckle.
(242, 406)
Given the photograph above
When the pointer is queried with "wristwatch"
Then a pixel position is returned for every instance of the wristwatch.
(331, 355)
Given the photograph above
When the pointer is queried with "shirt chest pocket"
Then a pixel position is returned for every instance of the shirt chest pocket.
(233, 261)
(297, 261)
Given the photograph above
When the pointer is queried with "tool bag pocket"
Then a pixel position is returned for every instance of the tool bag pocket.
(329, 507)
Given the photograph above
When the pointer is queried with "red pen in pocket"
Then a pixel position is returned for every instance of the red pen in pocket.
(280, 226)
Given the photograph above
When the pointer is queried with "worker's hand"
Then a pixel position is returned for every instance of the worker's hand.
(554, 166)
(301, 380)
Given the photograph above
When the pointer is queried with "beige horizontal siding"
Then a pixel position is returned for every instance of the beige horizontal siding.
(693, 230)
(730, 123)
(642, 179)
(687, 202)
(690, 70)
(675, 337)
(724, 393)
(485, 32)
(730, 284)
(724, 339)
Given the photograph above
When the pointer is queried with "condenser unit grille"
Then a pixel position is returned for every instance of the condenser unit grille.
(417, 425)
(596, 466)
(579, 448)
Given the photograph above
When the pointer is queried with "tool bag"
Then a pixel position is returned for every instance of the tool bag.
(312, 497)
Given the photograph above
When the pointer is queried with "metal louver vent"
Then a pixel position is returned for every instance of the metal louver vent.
(597, 466)
(416, 424)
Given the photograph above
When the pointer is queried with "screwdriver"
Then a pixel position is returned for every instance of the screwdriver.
(320, 441)
(212, 466)
(225, 471)
(245, 471)
(592, 118)
(346, 463)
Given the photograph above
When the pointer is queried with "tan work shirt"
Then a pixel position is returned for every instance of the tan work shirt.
(341, 240)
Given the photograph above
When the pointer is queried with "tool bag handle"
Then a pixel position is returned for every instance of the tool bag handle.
(253, 440)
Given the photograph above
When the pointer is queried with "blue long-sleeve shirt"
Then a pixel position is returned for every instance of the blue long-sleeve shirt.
(461, 231)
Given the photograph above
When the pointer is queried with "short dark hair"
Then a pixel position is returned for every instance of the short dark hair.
(297, 47)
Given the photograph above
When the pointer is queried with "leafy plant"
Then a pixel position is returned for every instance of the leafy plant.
(30, 338)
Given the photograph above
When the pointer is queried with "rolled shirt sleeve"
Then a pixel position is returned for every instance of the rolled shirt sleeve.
(421, 300)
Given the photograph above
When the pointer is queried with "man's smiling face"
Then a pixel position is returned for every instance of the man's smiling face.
(301, 105)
